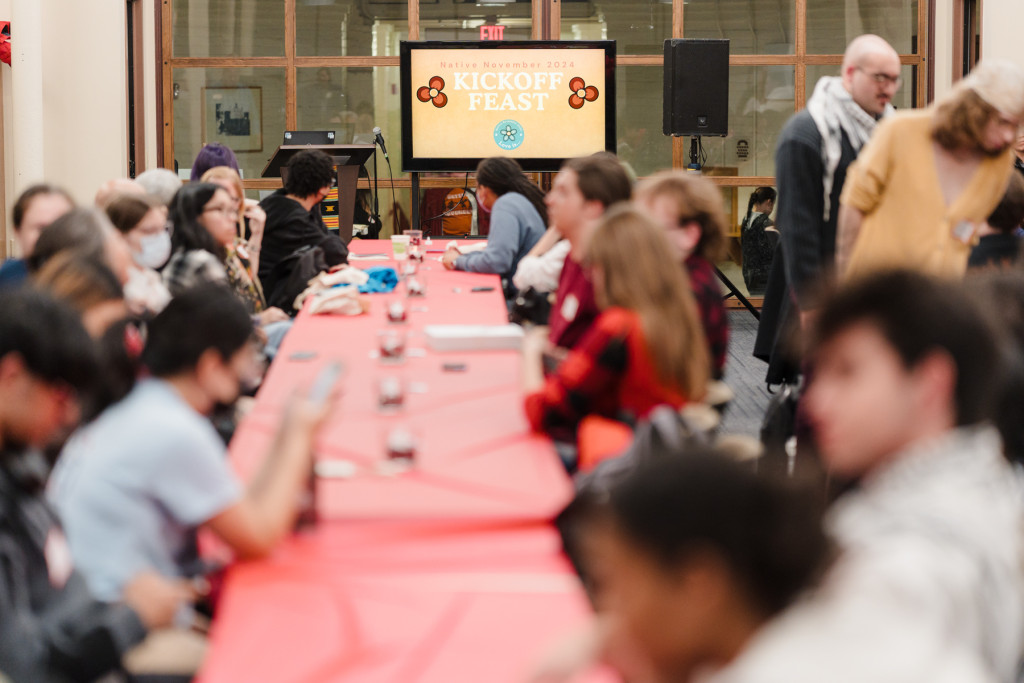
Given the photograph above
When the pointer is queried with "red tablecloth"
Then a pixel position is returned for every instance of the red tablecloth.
(448, 572)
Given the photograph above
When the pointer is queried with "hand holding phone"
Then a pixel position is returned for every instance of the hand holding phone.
(324, 383)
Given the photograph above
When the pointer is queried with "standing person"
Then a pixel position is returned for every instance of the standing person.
(35, 209)
(758, 238)
(583, 190)
(293, 219)
(813, 152)
(928, 179)
(690, 210)
(52, 629)
(518, 220)
(645, 348)
(928, 584)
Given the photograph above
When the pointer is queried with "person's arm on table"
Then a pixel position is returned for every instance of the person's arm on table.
(267, 511)
(502, 245)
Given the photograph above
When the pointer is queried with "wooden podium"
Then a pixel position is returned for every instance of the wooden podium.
(347, 161)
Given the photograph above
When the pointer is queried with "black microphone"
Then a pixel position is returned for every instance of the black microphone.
(380, 140)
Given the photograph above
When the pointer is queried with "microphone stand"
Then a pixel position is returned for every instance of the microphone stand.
(375, 216)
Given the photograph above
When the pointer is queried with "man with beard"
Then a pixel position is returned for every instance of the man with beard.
(921, 189)
(814, 150)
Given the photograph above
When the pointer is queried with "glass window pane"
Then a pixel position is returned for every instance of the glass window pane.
(905, 98)
(640, 28)
(351, 101)
(831, 24)
(243, 108)
(340, 28)
(753, 27)
(638, 119)
(228, 28)
(462, 20)
(760, 103)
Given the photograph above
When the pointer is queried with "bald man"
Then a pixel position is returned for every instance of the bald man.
(812, 155)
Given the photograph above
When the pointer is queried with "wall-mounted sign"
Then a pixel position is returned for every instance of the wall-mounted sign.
(492, 32)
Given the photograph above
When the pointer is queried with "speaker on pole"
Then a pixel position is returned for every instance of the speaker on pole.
(696, 88)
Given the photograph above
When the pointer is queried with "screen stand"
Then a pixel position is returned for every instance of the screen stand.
(415, 200)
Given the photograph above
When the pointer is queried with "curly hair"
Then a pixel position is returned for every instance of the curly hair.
(309, 171)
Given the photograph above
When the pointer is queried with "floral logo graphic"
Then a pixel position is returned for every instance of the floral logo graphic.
(432, 92)
(509, 134)
(581, 92)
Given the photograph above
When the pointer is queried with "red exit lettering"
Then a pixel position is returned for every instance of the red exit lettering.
(492, 32)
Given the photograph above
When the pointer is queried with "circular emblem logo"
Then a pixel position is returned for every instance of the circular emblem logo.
(508, 134)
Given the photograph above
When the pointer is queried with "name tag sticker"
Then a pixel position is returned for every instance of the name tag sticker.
(570, 306)
(964, 232)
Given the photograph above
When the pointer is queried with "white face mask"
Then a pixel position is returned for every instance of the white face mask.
(156, 249)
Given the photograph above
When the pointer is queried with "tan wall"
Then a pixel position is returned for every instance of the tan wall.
(68, 120)
(1001, 22)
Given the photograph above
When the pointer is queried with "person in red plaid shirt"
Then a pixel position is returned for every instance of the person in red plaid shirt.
(690, 209)
(646, 347)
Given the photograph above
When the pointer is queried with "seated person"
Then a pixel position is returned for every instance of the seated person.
(676, 600)
(35, 209)
(583, 190)
(293, 219)
(204, 245)
(88, 285)
(88, 233)
(138, 483)
(161, 183)
(212, 154)
(115, 187)
(999, 245)
(690, 209)
(518, 217)
(51, 626)
(142, 220)
(644, 349)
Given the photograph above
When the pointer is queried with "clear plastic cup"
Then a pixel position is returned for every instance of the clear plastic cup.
(400, 247)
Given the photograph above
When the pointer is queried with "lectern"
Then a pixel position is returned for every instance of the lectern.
(347, 160)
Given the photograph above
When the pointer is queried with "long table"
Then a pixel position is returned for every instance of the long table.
(446, 572)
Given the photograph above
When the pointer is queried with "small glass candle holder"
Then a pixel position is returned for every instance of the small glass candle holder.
(391, 346)
(416, 285)
(390, 394)
(397, 312)
(400, 446)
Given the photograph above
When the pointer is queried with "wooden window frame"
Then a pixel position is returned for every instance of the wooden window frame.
(546, 21)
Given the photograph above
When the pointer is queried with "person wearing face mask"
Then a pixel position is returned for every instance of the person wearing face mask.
(142, 220)
(139, 482)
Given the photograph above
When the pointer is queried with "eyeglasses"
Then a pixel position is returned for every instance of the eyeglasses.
(883, 79)
(228, 211)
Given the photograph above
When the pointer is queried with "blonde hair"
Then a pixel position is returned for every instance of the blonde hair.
(960, 120)
(696, 199)
(636, 264)
(231, 175)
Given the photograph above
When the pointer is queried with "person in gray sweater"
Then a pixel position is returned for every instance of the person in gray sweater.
(518, 219)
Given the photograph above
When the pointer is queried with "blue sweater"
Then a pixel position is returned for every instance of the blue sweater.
(515, 228)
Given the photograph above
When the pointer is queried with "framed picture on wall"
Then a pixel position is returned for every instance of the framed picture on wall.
(234, 117)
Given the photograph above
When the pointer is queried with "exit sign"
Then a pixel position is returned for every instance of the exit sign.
(492, 32)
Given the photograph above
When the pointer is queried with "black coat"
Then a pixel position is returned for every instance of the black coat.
(807, 242)
(290, 227)
(50, 631)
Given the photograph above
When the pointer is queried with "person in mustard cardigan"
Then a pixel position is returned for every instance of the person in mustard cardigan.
(925, 182)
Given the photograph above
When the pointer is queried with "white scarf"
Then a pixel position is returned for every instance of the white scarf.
(834, 112)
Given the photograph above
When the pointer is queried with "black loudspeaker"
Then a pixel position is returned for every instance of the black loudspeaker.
(696, 87)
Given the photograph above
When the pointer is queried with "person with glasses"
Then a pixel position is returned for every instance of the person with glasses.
(920, 192)
(204, 248)
(814, 150)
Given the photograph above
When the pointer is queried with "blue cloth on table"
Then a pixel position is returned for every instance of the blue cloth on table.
(383, 279)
